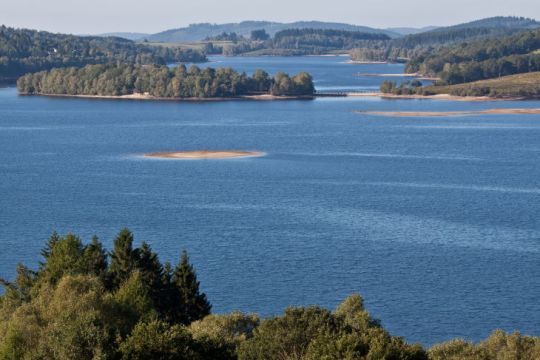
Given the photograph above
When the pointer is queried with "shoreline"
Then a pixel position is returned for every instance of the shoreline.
(261, 97)
(268, 97)
(411, 75)
(445, 97)
(500, 111)
(204, 154)
(358, 62)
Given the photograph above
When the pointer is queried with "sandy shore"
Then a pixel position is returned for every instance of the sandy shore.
(366, 62)
(433, 97)
(262, 97)
(412, 75)
(204, 154)
(451, 113)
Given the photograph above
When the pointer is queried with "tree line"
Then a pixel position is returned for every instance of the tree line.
(23, 51)
(297, 42)
(86, 303)
(420, 45)
(490, 58)
(163, 82)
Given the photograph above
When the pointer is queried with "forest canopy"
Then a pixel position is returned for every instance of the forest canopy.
(23, 51)
(490, 58)
(83, 302)
(163, 82)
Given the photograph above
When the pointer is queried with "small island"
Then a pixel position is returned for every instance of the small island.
(204, 154)
(155, 82)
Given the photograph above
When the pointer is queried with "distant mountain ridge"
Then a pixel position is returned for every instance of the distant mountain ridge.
(195, 32)
(134, 36)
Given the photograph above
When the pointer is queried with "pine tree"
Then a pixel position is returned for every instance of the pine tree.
(123, 258)
(46, 251)
(95, 258)
(192, 304)
(151, 272)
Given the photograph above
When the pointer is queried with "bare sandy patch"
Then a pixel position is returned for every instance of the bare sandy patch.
(451, 113)
(410, 75)
(204, 154)
(446, 97)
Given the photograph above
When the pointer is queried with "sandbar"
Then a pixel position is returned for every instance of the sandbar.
(447, 97)
(204, 154)
(452, 113)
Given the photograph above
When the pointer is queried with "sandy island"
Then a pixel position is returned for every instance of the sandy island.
(451, 113)
(204, 154)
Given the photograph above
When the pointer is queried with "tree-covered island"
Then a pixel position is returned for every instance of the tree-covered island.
(155, 81)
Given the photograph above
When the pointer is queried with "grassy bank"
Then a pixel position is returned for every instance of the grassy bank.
(521, 85)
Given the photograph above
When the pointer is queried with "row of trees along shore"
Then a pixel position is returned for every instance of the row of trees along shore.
(86, 303)
(23, 51)
(162, 81)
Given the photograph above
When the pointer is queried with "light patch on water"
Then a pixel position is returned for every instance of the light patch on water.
(473, 127)
(459, 187)
(392, 156)
(376, 226)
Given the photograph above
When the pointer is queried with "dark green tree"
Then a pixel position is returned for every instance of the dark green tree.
(259, 35)
(95, 258)
(124, 258)
(192, 304)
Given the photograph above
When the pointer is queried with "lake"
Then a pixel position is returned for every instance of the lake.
(435, 221)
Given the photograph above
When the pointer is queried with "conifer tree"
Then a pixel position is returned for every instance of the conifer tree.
(95, 258)
(192, 304)
(151, 272)
(123, 258)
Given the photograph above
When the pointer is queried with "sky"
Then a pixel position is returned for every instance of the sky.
(100, 16)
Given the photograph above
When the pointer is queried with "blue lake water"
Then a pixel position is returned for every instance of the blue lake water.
(435, 221)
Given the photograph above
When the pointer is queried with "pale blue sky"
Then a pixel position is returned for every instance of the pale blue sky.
(98, 16)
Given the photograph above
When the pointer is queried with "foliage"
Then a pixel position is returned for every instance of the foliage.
(499, 345)
(316, 333)
(521, 85)
(23, 51)
(484, 59)
(259, 35)
(160, 81)
(85, 304)
(415, 47)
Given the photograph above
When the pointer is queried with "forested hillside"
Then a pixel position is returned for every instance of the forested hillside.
(425, 43)
(197, 32)
(320, 40)
(162, 82)
(23, 51)
(483, 59)
(86, 303)
(296, 42)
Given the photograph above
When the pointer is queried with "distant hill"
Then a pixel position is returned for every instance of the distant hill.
(512, 22)
(484, 28)
(201, 31)
(135, 36)
(411, 30)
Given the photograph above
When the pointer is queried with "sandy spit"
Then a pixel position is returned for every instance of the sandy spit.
(204, 154)
(433, 97)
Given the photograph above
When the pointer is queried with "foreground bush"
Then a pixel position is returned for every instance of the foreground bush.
(85, 304)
